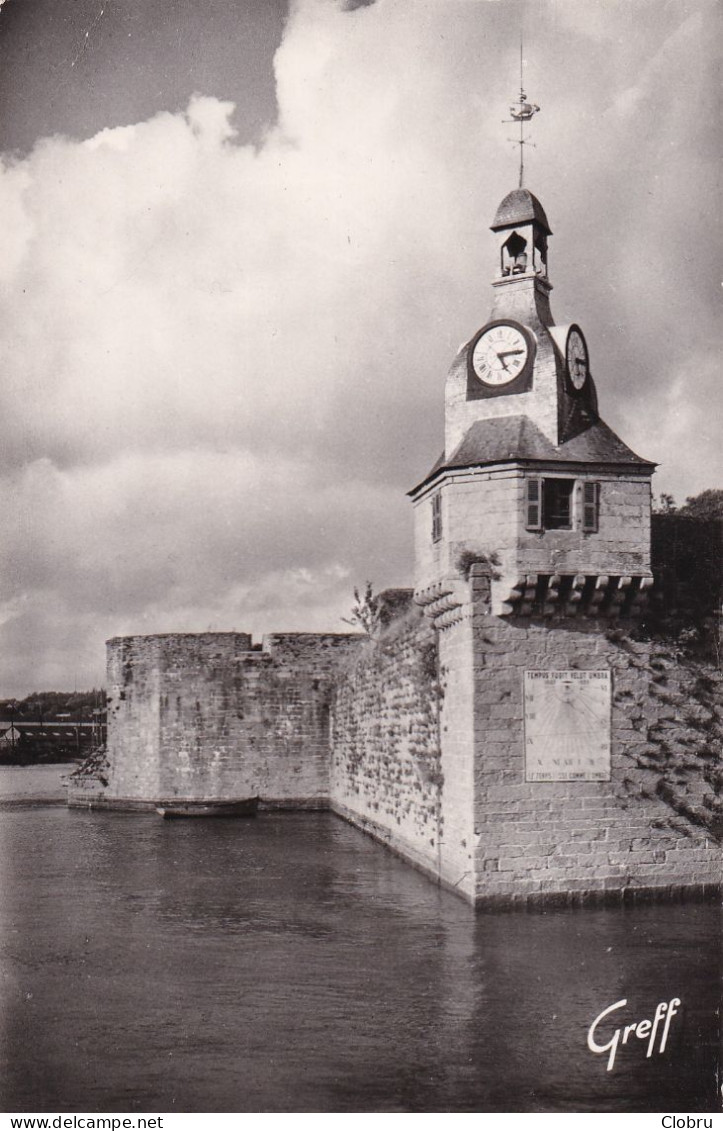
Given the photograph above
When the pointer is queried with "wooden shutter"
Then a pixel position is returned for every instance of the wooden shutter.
(590, 507)
(436, 517)
(534, 504)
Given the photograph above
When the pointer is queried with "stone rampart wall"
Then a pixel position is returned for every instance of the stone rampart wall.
(209, 717)
(652, 826)
(417, 737)
(385, 757)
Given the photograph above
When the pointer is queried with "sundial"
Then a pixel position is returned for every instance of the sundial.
(567, 726)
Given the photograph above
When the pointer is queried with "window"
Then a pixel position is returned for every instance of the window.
(557, 504)
(436, 517)
(549, 505)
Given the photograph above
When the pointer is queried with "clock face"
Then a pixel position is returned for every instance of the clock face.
(576, 359)
(500, 354)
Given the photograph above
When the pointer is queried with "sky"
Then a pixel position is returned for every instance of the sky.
(242, 242)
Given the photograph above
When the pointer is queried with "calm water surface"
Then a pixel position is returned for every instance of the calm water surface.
(288, 963)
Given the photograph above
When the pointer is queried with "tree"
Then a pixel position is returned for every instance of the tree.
(365, 612)
(708, 504)
(665, 505)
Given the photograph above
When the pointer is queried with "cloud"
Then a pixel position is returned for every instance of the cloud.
(223, 364)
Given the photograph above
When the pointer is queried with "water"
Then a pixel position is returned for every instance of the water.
(288, 963)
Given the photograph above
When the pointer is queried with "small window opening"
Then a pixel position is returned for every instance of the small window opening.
(514, 255)
(436, 517)
(557, 504)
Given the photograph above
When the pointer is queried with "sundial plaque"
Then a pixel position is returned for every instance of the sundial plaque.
(567, 726)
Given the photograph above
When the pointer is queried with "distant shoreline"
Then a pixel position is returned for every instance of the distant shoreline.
(33, 803)
(31, 786)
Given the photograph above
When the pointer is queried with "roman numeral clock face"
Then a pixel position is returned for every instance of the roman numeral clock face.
(500, 354)
(576, 359)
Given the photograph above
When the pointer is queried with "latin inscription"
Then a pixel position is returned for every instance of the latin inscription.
(567, 726)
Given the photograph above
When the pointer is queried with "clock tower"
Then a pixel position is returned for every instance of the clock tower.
(531, 480)
(532, 536)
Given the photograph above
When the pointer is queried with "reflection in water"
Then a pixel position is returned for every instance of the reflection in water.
(291, 964)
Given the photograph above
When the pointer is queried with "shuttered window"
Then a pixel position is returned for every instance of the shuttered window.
(549, 505)
(436, 517)
(534, 504)
(590, 507)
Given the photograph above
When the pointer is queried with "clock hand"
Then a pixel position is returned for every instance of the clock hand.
(502, 354)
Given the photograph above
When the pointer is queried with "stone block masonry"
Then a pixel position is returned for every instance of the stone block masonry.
(652, 829)
(209, 717)
(385, 753)
(428, 756)
(417, 737)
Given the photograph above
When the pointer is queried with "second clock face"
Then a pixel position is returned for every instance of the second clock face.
(500, 354)
(576, 358)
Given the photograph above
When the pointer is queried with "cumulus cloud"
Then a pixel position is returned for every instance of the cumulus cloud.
(223, 364)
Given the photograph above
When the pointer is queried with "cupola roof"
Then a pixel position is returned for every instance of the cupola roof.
(520, 207)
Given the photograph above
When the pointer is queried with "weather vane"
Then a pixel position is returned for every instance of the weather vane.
(522, 111)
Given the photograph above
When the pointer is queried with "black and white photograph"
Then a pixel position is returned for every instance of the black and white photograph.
(361, 569)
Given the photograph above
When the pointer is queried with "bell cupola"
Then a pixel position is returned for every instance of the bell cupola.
(521, 283)
(522, 230)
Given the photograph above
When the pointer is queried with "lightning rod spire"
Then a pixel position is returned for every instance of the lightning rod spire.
(522, 111)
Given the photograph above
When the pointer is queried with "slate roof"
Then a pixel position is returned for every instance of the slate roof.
(519, 207)
(517, 439)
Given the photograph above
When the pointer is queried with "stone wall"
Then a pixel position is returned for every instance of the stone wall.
(640, 832)
(621, 544)
(385, 757)
(208, 716)
(428, 756)
(417, 736)
(483, 511)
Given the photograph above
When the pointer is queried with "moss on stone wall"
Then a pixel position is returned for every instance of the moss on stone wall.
(680, 721)
(386, 761)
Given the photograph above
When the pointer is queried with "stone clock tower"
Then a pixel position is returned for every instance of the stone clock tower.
(532, 538)
(531, 479)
